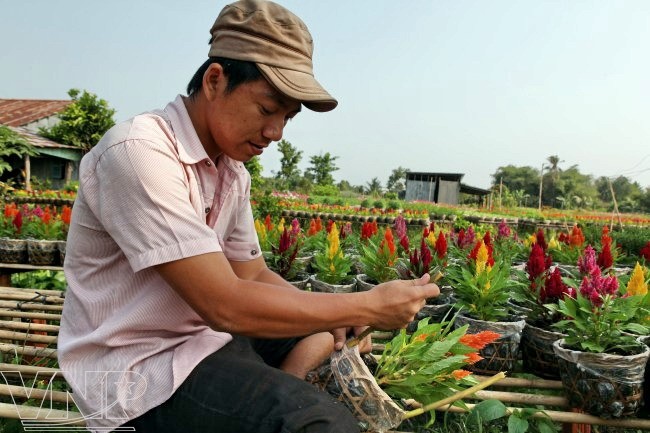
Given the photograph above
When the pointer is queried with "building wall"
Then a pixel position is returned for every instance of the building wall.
(449, 192)
(420, 190)
(52, 169)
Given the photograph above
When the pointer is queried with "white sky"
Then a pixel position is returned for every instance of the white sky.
(447, 86)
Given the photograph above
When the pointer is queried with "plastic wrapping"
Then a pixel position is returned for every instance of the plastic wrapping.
(374, 409)
(603, 384)
(537, 351)
(502, 354)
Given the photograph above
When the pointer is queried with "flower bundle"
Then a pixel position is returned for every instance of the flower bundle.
(332, 266)
(429, 365)
(481, 284)
(378, 260)
(439, 246)
(600, 318)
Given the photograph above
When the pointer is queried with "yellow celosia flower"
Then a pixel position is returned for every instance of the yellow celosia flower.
(531, 240)
(260, 228)
(431, 239)
(481, 258)
(333, 240)
(281, 226)
(637, 284)
(554, 244)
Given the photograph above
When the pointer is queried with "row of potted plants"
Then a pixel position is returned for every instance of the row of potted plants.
(588, 307)
(33, 234)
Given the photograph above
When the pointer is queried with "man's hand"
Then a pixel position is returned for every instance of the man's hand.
(341, 334)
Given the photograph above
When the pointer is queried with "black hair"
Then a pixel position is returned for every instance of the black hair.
(237, 71)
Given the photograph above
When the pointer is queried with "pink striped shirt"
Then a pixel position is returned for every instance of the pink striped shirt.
(149, 194)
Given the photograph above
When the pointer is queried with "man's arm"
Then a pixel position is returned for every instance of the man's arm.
(230, 303)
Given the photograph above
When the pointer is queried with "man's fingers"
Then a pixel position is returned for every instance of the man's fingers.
(339, 338)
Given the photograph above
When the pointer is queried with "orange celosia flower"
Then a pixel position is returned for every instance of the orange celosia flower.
(459, 374)
(480, 340)
(268, 224)
(47, 216)
(319, 224)
(473, 357)
(66, 214)
(576, 238)
(312, 228)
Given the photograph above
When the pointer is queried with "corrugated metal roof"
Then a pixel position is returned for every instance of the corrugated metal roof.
(20, 112)
(38, 141)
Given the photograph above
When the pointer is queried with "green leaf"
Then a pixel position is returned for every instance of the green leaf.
(487, 410)
(517, 424)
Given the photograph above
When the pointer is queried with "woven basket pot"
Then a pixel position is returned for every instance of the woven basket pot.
(61, 246)
(42, 252)
(603, 384)
(322, 286)
(537, 352)
(13, 250)
(500, 355)
(436, 309)
(300, 282)
(363, 284)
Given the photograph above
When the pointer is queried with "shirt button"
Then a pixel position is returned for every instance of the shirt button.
(207, 210)
(208, 163)
(253, 252)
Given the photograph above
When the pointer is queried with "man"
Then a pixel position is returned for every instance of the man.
(172, 321)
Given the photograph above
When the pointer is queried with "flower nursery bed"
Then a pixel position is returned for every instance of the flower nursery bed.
(32, 382)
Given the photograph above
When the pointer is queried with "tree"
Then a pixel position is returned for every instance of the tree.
(397, 180)
(289, 173)
(524, 179)
(322, 167)
(83, 122)
(254, 167)
(624, 190)
(373, 187)
(12, 144)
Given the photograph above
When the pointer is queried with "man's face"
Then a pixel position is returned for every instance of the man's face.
(245, 121)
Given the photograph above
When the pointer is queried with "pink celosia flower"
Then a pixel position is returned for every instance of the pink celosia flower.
(504, 230)
(587, 262)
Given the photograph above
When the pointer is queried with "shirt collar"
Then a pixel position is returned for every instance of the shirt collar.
(190, 149)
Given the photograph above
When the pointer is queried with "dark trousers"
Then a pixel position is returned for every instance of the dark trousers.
(234, 391)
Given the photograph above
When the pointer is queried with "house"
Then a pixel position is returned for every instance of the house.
(58, 163)
(440, 188)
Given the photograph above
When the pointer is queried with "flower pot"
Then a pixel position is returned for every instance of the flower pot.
(42, 252)
(61, 246)
(502, 354)
(300, 282)
(363, 284)
(13, 250)
(603, 384)
(436, 309)
(322, 286)
(537, 351)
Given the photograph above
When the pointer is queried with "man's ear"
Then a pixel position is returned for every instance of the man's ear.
(214, 81)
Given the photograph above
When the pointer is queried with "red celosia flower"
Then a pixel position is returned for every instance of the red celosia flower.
(480, 340)
(441, 245)
(18, 221)
(554, 288)
(564, 238)
(540, 240)
(605, 258)
(460, 238)
(537, 263)
(472, 255)
(329, 225)
(645, 252)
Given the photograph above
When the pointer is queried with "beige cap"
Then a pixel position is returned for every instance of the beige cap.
(278, 42)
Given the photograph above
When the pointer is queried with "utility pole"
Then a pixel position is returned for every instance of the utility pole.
(541, 180)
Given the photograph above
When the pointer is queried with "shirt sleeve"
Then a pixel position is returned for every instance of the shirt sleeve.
(145, 203)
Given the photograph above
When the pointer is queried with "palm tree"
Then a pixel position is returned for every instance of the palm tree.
(374, 187)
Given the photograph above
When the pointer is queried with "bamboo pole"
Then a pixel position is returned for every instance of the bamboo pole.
(525, 383)
(15, 349)
(8, 289)
(15, 391)
(459, 395)
(29, 370)
(31, 413)
(519, 397)
(30, 306)
(28, 338)
(29, 315)
(28, 326)
(33, 297)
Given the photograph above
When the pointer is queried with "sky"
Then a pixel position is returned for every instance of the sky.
(462, 86)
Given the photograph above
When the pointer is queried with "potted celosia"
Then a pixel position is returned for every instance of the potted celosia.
(284, 256)
(482, 287)
(13, 246)
(332, 266)
(43, 229)
(377, 260)
(601, 365)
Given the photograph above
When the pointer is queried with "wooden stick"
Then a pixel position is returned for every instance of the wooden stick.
(459, 395)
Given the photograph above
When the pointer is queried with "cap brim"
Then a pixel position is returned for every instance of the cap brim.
(300, 86)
